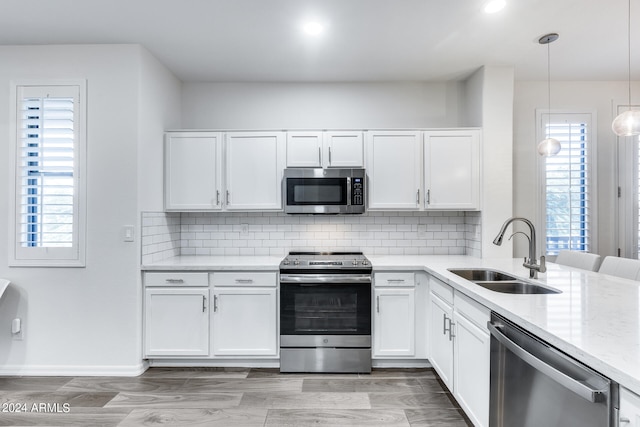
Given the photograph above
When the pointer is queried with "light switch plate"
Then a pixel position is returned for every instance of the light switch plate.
(129, 233)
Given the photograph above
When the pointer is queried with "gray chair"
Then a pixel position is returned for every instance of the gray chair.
(621, 267)
(577, 259)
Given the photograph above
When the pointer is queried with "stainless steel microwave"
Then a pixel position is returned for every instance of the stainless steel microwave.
(323, 191)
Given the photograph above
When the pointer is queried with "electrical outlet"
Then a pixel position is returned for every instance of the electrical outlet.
(17, 331)
(244, 228)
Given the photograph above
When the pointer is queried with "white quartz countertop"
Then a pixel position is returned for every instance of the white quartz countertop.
(201, 262)
(596, 318)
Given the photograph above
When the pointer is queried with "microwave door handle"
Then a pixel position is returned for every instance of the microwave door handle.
(348, 191)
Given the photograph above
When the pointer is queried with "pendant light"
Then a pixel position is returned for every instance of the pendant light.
(627, 123)
(549, 146)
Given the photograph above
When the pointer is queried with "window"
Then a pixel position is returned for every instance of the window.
(568, 199)
(49, 173)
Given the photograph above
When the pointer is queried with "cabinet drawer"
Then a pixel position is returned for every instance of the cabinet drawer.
(394, 279)
(176, 278)
(248, 278)
(441, 289)
(474, 312)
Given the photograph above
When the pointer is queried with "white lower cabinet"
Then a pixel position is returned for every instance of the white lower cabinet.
(244, 322)
(399, 310)
(244, 314)
(441, 354)
(629, 415)
(460, 349)
(471, 359)
(176, 322)
(239, 320)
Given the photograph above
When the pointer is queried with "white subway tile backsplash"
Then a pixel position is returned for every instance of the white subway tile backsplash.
(274, 233)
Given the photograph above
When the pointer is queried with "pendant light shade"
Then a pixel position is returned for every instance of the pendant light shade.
(549, 146)
(628, 122)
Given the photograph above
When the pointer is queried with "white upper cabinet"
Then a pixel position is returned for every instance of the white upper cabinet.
(339, 149)
(394, 166)
(254, 164)
(193, 171)
(452, 169)
(344, 149)
(304, 149)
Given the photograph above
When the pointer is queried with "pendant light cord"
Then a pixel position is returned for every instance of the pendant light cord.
(549, 77)
(629, 49)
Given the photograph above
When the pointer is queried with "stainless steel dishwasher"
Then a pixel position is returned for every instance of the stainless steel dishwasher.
(534, 384)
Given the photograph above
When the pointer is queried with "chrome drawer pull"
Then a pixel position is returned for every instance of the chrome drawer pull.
(174, 280)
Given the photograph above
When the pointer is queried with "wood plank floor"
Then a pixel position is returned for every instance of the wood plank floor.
(231, 397)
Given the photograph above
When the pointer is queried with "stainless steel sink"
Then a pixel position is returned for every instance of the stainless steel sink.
(500, 282)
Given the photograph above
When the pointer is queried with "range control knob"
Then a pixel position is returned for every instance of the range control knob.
(286, 262)
(296, 262)
(354, 262)
(365, 262)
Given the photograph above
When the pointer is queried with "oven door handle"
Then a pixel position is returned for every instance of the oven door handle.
(321, 279)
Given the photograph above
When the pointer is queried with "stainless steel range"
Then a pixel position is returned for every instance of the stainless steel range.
(325, 312)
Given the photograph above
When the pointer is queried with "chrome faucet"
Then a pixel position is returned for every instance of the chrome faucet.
(531, 263)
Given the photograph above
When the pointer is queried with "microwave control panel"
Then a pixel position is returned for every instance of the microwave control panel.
(357, 191)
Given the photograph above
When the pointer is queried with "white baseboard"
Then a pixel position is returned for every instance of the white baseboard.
(216, 363)
(75, 371)
(400, 363)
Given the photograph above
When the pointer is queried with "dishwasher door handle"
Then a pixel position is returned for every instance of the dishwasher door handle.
(582, 390)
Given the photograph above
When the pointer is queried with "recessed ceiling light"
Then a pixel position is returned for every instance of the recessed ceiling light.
(313, 28)
(493, 6)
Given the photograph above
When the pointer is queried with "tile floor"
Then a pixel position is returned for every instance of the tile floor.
(231, 397)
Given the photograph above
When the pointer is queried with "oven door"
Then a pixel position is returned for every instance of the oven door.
(325, 304)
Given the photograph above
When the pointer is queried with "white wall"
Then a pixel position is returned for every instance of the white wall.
(82, 320)
(321, 105)
(589, 96)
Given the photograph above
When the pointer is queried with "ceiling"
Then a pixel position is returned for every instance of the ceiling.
(364, 40)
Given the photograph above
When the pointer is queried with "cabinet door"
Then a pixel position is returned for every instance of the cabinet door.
(629, 409)
(245, 322)
(193, 171)
(176, 322)
(304, 149)
(394, 162)
(452, 169)
(394, 322)
(344, 149)
(441, 339)
(254, 165)
(472, 348)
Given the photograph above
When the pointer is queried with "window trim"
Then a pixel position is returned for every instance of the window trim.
(542, 115)
(49, 256)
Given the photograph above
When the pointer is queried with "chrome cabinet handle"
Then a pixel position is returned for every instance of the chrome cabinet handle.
(444, 324)
(395, 280)
(329, 156)
(204, 303)
(428, 199)
(320, 156)
(378, 304)
(217, 197)
(215, 303)
(244, 280)
(452, 335)
(418, 197)
(228, 197)
(174, 280)
(624, 420)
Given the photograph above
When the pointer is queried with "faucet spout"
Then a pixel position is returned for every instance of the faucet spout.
(531, 263)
